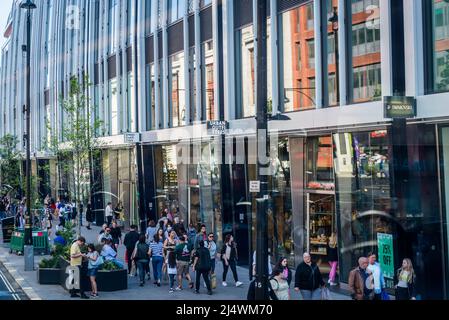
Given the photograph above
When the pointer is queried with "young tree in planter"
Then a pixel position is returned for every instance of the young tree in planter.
(80, 141)
(10, 161)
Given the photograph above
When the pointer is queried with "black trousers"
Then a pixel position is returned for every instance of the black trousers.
(83, 280)
(233, 266)
(129, 253)
(402, 294)
(109, 219)
(205, 274)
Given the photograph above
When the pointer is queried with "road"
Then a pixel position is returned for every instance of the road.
(9, 289)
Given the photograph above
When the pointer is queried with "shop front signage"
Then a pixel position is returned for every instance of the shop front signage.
(386, 254)
(399, 107)
(217, 127)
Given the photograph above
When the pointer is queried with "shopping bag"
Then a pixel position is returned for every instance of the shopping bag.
(133, 268)
(325, 294)
(213, 281)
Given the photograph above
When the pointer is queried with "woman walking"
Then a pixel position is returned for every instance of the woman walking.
(95, 261)
(308, 279)
(406, 281)
(280, 285)
(157, 258)
(141, 255)
(229, 257)
(332, 257)
(286, 273)
(171, 269)
(116, 234)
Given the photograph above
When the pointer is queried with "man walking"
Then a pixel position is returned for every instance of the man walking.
(378, 278)
(109, 213)
(201, 265)
(183, 253)
(357, 281)
(201, 236)
(130, 241)
(76, 260)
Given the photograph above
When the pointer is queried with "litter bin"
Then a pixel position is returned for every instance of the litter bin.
(40, 241)
(7, 229)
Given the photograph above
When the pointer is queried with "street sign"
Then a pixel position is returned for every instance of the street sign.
(131, 138)
(399, 107)
(217, 127)
(254, 186)
(385, 247)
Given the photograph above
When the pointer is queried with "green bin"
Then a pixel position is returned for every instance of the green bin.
(40, 241)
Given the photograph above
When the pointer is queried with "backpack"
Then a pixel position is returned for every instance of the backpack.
(142, 251)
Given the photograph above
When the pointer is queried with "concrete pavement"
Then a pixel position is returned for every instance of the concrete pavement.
(28, 281)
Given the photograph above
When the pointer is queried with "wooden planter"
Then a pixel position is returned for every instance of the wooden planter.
(48, 276)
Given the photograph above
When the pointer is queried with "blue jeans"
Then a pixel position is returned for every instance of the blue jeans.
(311, 295)
(141, 266)
(157, 267)
(2, 214)
(172, 280)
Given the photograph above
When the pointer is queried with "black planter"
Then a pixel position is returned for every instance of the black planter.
(48, 276)
(108, 281)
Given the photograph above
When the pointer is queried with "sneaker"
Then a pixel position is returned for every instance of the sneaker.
(171, 290)
(238, 284)
(94, 295)
(75, 295)
(197, 292)
(224, 284)
(178, 289)
(333, 284)
(155, 282)
(83, 296)
(158, 284)
(141, 284)
(209, 292)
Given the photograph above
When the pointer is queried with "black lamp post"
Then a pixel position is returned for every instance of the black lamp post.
(334, 21)
(28, 236)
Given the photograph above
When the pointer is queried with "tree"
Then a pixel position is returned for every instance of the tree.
(10, 164)
(78, 144)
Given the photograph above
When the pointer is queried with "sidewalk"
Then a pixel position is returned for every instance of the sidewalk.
(28, 281)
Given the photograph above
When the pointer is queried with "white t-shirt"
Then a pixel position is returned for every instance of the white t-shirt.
(109, 211)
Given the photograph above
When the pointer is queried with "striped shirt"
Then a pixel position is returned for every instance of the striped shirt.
(156, 248)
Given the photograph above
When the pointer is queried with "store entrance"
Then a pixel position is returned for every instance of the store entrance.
(320, 199)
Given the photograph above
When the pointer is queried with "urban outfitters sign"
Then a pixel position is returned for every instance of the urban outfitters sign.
(385, 246)
(399, 107)
(217, 127)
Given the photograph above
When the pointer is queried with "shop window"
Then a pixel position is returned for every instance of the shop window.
(113, 107)
(363, 188)
(208, 80)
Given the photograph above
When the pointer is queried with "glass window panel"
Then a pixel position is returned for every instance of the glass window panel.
(112, 25)
(113, 107)
(131, 103)
(178, 93)
(297, 55)
(366, 56)
(440, 49)
(208, 80)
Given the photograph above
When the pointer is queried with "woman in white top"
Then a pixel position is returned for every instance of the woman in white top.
(406, 281)
(279, 285)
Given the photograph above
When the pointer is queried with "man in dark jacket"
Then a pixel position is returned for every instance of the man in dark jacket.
(308, 279)
(131, 238)
(202, 265)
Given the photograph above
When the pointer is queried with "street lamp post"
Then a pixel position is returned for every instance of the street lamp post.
(334, 21)
(28, 236)
(261, 284)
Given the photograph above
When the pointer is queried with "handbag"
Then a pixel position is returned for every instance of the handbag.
(213, 281)
(325, 294)
(98, 262)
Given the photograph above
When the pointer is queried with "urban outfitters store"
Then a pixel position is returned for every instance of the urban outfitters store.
(375, 193)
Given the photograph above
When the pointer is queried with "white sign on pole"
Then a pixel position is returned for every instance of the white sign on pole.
(254, 186)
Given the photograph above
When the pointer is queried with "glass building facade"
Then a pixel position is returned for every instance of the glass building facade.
(160, 70)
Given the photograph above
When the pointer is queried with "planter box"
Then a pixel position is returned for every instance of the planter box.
(48, 276)
(108, 281)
